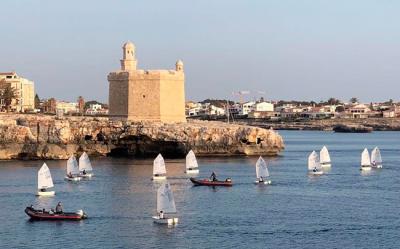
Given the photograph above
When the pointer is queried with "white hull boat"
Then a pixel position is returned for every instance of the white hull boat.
(316, 173)
(85, 166)
(45, 182)
(159, 178)
(326, 165)
(166, 220)
(262, 173)
(325, 158)
(314, 165)
(72, 179)
(191, 163)
(192, 171)
(46, 193)
(165, 206)
(365, 168)
(159, 170)
(265, 182)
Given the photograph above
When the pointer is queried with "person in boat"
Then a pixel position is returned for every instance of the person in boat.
(84, 172)
(161, 215)
(42, 190)
(213, 177)
(373, 163)
(59, 208)
(69, 175)
(315, 169)
(261, 179)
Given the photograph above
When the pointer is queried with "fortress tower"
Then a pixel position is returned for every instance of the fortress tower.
(146, 95)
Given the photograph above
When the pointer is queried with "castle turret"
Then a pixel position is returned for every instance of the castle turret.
(179, 65)
(128, 62)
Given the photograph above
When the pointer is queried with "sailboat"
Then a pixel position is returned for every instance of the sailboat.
(85, 167)
(262, 171)
(365, 160)
(45, 181)
(314, 167)
(325, 159)
(376, 158)
(72, 170)
(159, 171)
(191, 163)
(165, 205)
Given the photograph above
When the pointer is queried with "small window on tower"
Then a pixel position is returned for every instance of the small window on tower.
(144, 96)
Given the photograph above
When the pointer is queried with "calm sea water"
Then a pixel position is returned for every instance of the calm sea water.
(342, 209)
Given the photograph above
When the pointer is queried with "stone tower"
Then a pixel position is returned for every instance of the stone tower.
(146, 95)
(128, 62)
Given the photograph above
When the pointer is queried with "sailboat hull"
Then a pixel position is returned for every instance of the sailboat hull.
(72, 179)
(192, 171)
(46, 193)
(87, 175)
(266, 182)
(318, 173)
(365, 168)
(165, 221)
(326, 165)
(159, 178)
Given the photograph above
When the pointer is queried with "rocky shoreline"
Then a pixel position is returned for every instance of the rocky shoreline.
(49, 137)
(375, 124)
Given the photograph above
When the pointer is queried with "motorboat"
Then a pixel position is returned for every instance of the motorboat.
(207, 182)
(42, 214)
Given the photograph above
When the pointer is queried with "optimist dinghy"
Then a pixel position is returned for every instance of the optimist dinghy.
(165, 206)
(365, 160)
(314, 167)
(325, 159)
(191, 163)
(72, 170)
(262, 172)
(159, 171)
(85, 166)
(376, 158)
(45, 181)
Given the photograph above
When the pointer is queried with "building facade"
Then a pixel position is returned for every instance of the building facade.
(24, 91)
(146, 95)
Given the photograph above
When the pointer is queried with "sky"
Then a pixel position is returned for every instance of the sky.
(276, 49)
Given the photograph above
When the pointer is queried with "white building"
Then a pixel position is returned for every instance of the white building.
(263, 107)
(24, 91)
(247, 107)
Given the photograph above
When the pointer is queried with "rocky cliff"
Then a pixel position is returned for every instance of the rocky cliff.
(48, 137)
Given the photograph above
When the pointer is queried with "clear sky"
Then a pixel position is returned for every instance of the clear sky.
(289, 49)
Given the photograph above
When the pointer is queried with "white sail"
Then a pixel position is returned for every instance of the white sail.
(84, 163)
(261, 168)
(313, 161)
(159, 166)
(72, 166)
(191, 162)
(44, 177)
(365, 160)
(165, 199)
(324, 156)
(376, 157)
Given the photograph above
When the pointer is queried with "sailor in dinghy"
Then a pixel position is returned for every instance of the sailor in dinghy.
(191, 163)
(159, 171)
(325, 159)
(85, 166)
(262, 172)
(72, 170)
(165, 205)
(365, 160)
(314, 167)
(376, 158)
(45, 181)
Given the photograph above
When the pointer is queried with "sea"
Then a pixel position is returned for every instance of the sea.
(344, 208)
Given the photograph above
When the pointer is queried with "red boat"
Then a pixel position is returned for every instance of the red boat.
(36, 214)
(206, 182)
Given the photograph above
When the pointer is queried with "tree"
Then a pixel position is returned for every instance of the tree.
(8, 94)
(353, 100)
(333, 101)
(37, 101)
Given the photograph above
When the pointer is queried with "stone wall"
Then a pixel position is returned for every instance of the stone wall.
(46, 137)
